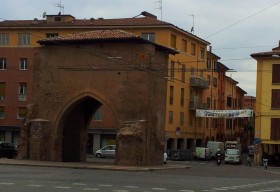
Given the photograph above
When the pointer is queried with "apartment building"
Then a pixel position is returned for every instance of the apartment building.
(192, 83)
(267, 116)
(16, 64)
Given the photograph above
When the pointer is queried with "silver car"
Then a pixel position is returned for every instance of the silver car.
(107, 151)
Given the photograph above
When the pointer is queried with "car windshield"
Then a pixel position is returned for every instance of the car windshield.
(232, 152)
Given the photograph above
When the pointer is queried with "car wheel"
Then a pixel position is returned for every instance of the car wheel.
(98, 155)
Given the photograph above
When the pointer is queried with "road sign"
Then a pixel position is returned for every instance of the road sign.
(257, 140)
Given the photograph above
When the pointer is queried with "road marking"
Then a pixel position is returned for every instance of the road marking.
(133, 187)
(159, 189)
(33, 185)
(61, 187)
(183, 190)
(6, 183)
(80, 184)
(250, 185)
(104, 185)
(91, 189)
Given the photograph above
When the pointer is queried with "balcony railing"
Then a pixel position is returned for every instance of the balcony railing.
(197, 104)
(199, 82)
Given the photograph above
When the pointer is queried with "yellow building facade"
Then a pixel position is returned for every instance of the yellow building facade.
(267, 116)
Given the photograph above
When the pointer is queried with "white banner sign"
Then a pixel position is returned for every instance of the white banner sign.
(224, 113)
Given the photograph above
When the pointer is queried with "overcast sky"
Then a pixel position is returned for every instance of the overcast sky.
(235, 28)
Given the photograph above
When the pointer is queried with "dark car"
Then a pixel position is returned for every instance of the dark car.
(8, 150)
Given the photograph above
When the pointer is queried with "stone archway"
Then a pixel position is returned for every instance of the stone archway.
(68, 90)
(74, 123)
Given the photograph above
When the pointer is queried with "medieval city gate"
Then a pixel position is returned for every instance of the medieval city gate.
(74, 77)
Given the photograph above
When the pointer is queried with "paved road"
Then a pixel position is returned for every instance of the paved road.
(203, 176)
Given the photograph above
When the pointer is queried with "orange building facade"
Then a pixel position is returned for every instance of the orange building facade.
(196, 79)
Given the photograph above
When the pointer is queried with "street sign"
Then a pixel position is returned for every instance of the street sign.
(257, 140)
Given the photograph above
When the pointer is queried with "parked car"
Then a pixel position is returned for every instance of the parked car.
(233, 156)
(8, 150)
(107, 151)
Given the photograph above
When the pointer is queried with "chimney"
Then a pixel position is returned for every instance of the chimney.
(147, 14)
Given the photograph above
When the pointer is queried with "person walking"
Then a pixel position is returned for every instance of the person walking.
(248, 163)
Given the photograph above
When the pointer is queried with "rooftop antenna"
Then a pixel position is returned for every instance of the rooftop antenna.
(61, 7)
(160, 8)
(192, 29)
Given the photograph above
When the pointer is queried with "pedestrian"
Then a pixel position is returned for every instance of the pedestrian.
(248, 163)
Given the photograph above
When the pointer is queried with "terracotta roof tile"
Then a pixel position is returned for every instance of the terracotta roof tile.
(101, 35)
(85, 22)
(94, 35)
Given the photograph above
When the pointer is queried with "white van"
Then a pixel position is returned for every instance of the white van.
(214, 146)
(202, 153)
(233, 156)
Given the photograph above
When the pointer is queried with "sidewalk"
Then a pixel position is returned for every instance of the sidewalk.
(88, 165)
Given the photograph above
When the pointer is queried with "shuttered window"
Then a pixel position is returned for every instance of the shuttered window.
(2, 90)
(173, 41)
(275, 129)
(276, 73)
(22, 111)
(275, 99)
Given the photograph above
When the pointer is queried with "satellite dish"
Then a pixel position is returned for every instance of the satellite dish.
(44, 14)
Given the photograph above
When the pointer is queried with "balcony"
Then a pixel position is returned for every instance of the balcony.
(197, 104)
(199, 82)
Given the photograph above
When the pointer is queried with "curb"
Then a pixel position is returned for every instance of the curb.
(88, 165)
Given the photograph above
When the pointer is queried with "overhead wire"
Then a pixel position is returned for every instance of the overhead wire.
(252, 15)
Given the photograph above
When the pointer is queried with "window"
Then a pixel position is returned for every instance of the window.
(192, 71)
(215, 81)
(4, 39)
(3, 64)
(276, 73)
(173, 41)
(149, 36)
(22, 111)
(184, 45)
(274, 130)
(215, 67)
(182, 118)
(2, 133)
(172, 70)
(98, 115)
(209, 102)
(23, 64)
(48, 35)
(193, 48)
(2, 90)
(183, 78)
(201, 53)
(171, 95)
(208, 64)
(275, 99)
(170, 119)
(23, 39)
(209, 79)
(229, 123)
(182, 97)
(22, 92)
(2, 112)
(229, 101)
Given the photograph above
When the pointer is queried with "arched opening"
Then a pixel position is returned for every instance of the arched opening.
(74, 123)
